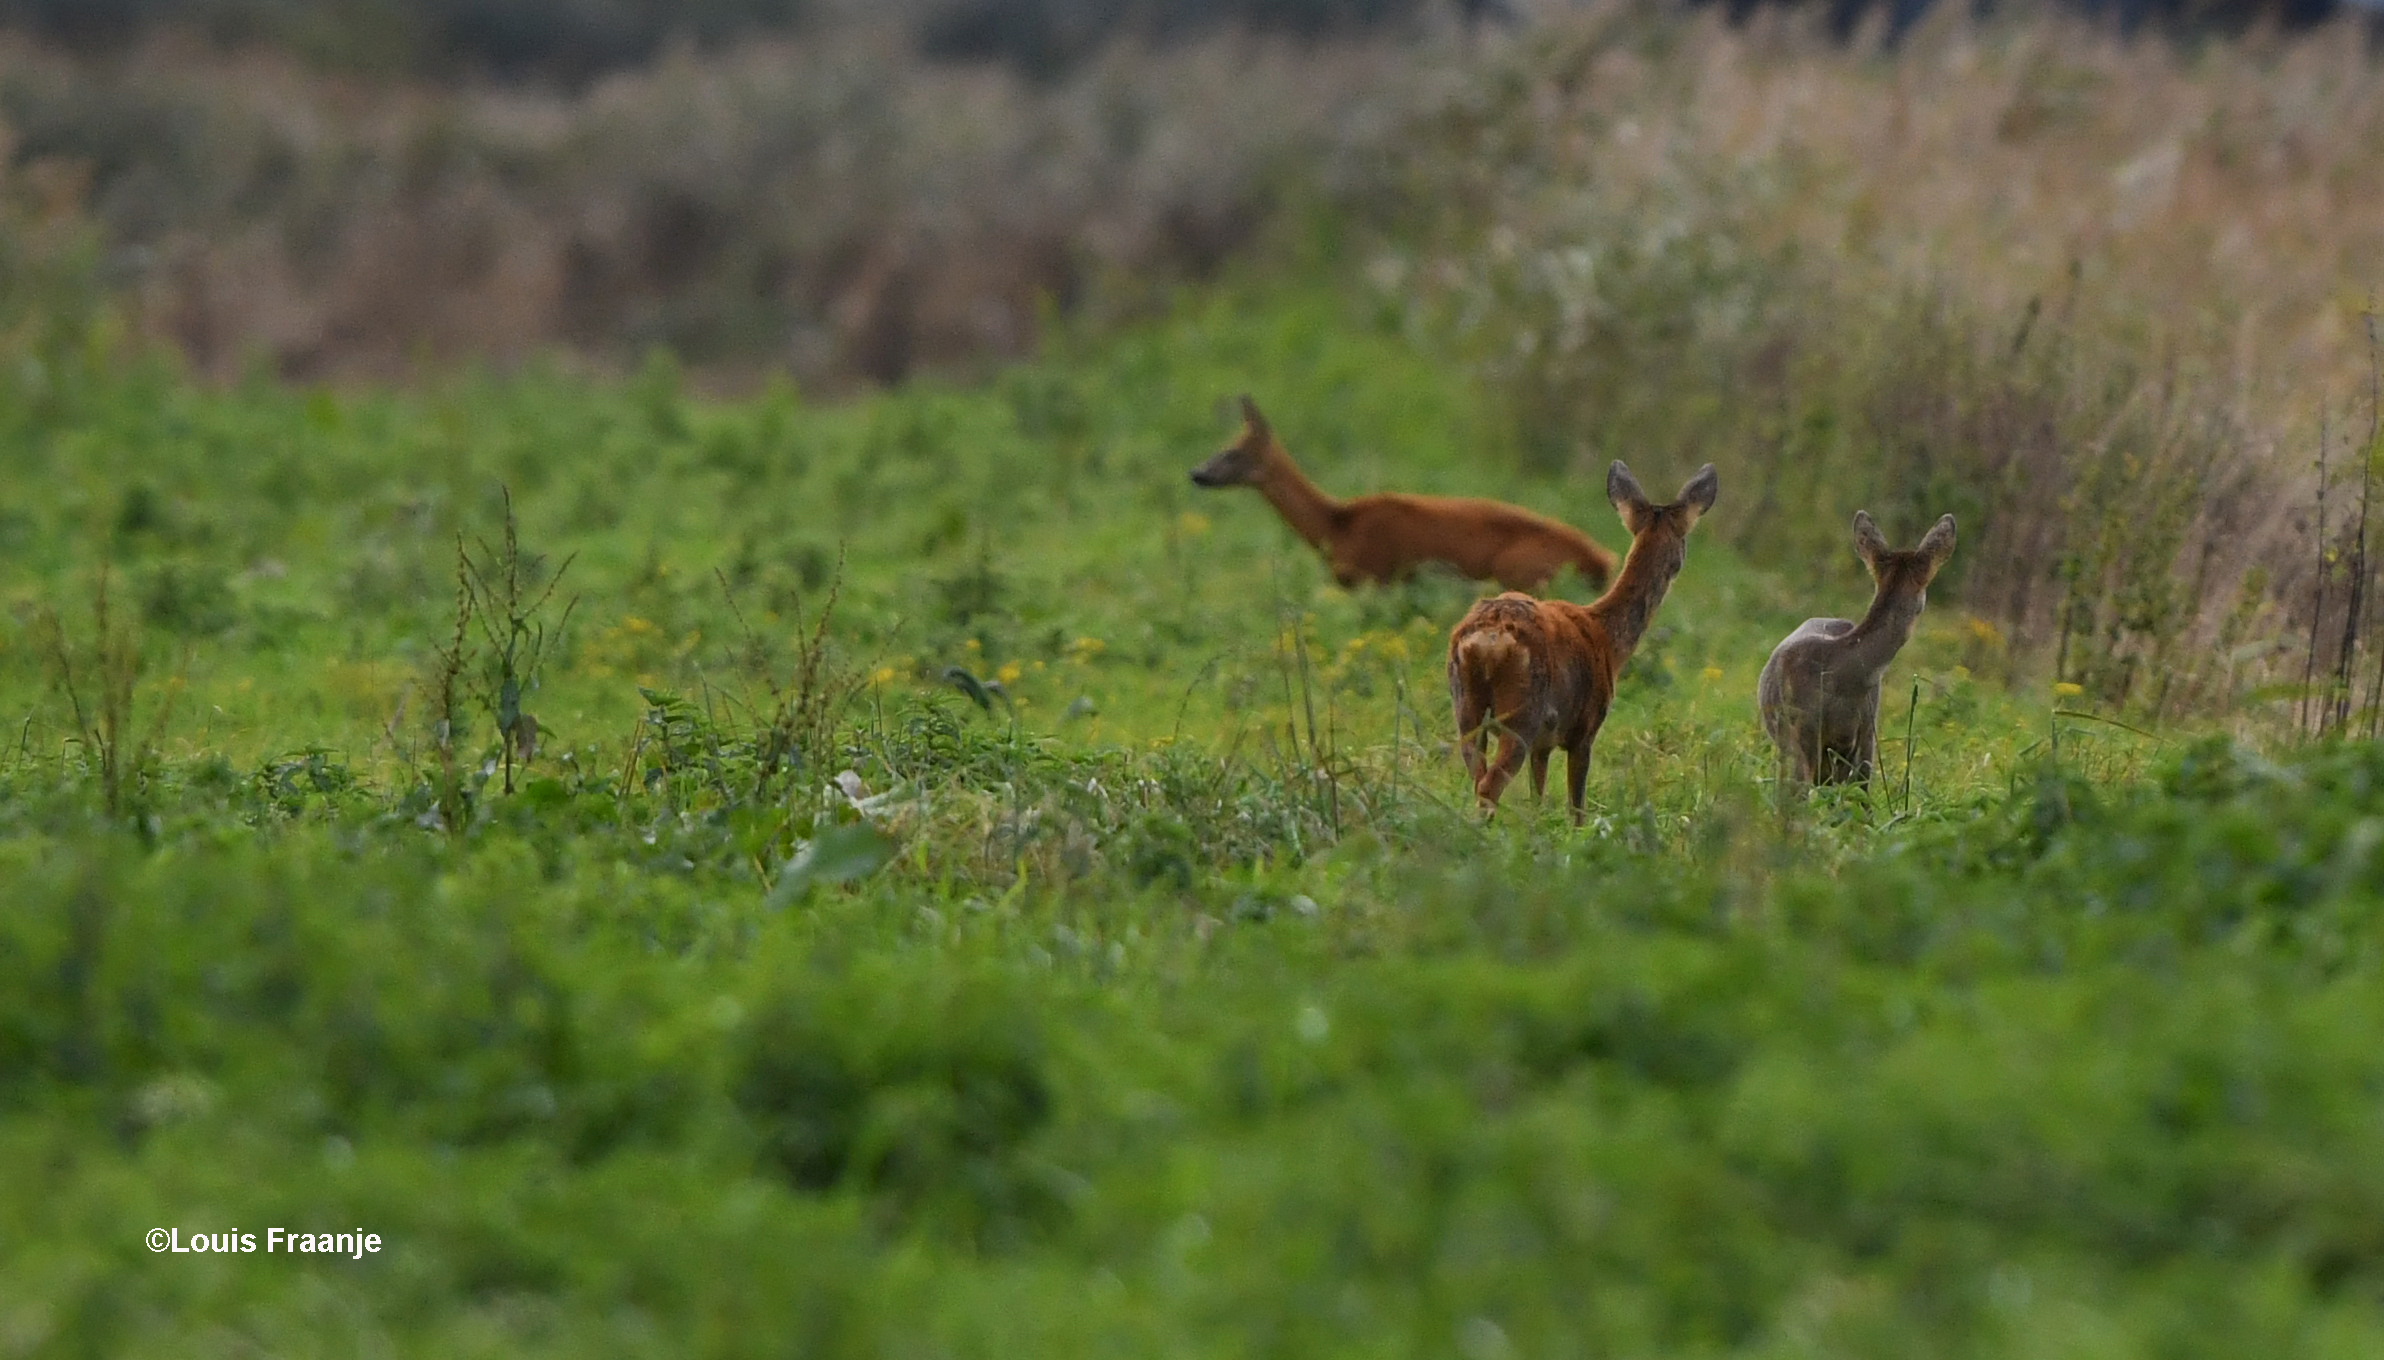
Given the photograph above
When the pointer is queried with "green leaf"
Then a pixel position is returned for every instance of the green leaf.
(841, 854)
(543, 793)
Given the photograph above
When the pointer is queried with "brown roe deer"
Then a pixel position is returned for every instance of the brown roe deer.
(1385, 537)
(1819, 693)
(1544, 670)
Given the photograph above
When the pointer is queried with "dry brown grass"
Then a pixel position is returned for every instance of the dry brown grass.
(2227, 202)
(2092, 295)
(828, 205)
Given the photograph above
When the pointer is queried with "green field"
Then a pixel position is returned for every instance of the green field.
(1164, 996)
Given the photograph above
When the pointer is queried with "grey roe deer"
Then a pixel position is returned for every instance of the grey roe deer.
(1819, 693)
(1544, 670)
(1384, 537)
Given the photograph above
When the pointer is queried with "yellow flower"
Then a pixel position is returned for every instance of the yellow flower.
(1085, 649)
(881, 675)
(1985, 632)
(1009, 673)
(969, 644)
(2066, 689)
(635, 624)
(1192, 524)
(1712, 672)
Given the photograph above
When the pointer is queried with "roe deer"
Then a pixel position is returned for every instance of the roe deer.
(1544, 670)
(1819, 694)
(1382, 538)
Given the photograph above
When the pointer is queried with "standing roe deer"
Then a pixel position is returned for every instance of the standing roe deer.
(1819, 694)
(1382, 538)
(1544, 670)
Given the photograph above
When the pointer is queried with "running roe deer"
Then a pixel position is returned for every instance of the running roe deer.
(1544, 670)
(1819, 694)
(1382, 538)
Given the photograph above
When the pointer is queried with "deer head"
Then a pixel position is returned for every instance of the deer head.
(1907, 572)
(1245, 460)
(1645, 518)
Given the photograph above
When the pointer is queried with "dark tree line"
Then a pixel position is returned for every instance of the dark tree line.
(571, 37)
(2181, 17)
(578, 38)
(1045, 37)
(581, 37)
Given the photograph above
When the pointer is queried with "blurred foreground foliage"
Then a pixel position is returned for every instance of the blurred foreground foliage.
(2097, 1065)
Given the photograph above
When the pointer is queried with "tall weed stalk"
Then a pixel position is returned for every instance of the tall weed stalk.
(115, 720)
(508, 592)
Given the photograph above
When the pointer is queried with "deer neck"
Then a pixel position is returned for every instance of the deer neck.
(1308, 511)
(1629, 605)
(1885, 627)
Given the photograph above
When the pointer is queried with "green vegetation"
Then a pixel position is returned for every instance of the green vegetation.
(826, 871)
(975, 894)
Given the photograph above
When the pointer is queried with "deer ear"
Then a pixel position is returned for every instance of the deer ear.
(1698, 492)
(1869, 543)
(1938, 544)
(1250, 413)
(1622, 490)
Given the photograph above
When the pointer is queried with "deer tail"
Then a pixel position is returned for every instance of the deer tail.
(1493, 663)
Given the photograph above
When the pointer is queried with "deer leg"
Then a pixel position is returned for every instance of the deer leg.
(1829, 766)
(1789, 766)
(1846, 764)
(1539, 772)
(1576, 778)
(1494, 780)
(1819, 761)
(1787, 777)
(1577, 767)
(1471, 712)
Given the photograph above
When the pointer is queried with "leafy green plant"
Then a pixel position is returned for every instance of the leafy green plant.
(506, 592)
(117, 718)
